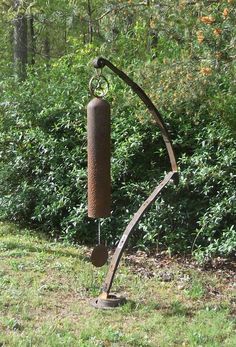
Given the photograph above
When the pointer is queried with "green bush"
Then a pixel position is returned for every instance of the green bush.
(43, 176)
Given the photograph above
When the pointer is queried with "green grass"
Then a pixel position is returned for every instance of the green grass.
(46, 287)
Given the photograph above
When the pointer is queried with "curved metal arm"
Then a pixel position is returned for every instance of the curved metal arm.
(100, 63)
(172, 175)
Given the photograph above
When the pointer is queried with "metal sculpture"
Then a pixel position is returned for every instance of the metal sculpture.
(99, 178)
(99, 83)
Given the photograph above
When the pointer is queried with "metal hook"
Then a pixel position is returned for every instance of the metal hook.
(99, 85)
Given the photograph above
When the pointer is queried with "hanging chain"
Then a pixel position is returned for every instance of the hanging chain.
(99, 231)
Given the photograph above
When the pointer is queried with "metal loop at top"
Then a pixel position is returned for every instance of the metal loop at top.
(99, 86)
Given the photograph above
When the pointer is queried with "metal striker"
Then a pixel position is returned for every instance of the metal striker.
(99, 255)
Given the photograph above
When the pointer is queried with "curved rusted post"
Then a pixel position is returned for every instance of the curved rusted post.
(103, 300)
(100, 63)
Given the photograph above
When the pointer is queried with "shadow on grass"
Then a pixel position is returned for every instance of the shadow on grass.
(10, 245)
(176, 308)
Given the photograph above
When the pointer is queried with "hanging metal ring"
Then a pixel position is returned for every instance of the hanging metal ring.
(99, 86)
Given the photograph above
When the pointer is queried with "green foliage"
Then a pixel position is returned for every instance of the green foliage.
(44, 168)
(188, 73)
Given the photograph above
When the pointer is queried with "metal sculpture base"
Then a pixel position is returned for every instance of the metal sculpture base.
(112, 301)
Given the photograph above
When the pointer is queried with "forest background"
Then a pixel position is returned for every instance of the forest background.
(182, 53)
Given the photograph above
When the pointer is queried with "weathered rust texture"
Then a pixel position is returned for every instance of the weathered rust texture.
(99, 255)
(99, 154)
(105, 299)
(100, 63)
(129, 230)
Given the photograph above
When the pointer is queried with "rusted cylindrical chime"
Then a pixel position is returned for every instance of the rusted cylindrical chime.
(99, 153)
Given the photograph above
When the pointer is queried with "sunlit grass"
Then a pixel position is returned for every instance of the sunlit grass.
(46, 287)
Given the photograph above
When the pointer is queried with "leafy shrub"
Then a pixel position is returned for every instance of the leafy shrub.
(43, 176)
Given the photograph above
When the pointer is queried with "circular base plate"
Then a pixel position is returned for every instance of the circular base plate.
(111, 302)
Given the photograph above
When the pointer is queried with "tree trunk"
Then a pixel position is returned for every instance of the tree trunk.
(90, 24)
(46, 43)
(65, 37)
(46, 48)
(20, 42)
(32, 47)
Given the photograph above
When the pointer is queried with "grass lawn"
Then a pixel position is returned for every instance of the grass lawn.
(46, 288)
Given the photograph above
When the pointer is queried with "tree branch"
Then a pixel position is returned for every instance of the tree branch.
(120, 8)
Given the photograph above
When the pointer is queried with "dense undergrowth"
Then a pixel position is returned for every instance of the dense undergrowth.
(43, 178)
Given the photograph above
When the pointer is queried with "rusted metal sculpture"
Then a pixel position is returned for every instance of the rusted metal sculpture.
(105, 299)
(99, 178)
